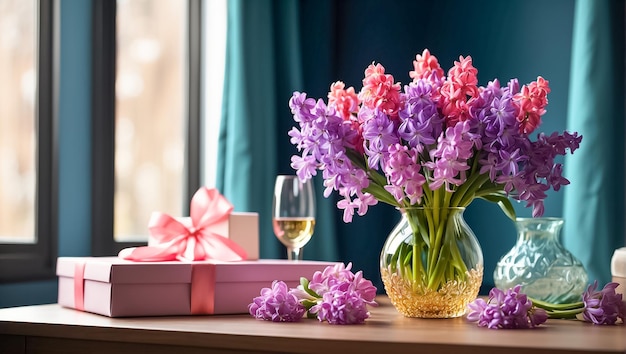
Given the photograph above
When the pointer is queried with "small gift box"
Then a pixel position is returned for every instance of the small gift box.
(241, 227)
(212, 231)
(115, 287)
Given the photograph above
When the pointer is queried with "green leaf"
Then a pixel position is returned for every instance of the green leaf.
(394, 259)
(503, 202)
(381, 194)
(357, 159)
(305, 285)
(308, 304)
(405, 254)
(377, 180)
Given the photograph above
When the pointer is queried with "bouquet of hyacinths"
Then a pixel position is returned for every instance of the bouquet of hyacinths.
(440, 142)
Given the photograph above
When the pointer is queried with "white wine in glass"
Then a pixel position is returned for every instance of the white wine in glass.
(293, 216)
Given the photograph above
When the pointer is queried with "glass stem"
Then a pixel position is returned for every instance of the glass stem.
(294, 254)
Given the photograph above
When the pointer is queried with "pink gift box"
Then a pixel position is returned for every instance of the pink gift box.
(115, 287)
(242, 227)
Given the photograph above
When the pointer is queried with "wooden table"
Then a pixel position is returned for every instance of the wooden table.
(54, 329)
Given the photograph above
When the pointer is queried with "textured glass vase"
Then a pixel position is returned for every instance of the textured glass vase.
(431, 264)
(539, 262)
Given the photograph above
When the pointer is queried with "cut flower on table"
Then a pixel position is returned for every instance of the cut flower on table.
(602, 307)
(512, 309)
(335, 295)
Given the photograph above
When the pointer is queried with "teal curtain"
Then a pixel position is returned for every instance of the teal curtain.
(263, 65)
(594, 202)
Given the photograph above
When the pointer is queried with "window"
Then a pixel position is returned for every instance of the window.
(149, 114)
(146, 116)
(27, 146)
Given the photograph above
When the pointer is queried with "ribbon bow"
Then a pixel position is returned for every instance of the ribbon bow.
(198, 237)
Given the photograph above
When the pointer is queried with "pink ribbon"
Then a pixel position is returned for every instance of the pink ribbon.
(79, 286)
(198, 237)
(202, 289)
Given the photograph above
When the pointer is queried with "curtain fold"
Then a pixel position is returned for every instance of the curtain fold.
(263, 68)
(594, 202)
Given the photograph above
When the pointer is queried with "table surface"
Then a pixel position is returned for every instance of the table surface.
(385, 331)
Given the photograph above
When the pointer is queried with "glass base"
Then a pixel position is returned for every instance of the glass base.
(448, 302)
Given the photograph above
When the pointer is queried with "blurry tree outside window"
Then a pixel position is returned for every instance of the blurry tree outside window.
(18, 86)
(150, 122)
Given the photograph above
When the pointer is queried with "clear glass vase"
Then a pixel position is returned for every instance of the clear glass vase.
(432, 264)
(539, 262)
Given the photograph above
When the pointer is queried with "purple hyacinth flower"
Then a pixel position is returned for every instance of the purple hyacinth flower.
(507, 310)
(342, 307)
(277, 304)
(344, 295)
(604, 306)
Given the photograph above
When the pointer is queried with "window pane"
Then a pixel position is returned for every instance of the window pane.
(150, 124)
(18, 82)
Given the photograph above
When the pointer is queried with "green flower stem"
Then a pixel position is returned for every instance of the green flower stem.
(435, 205)
(447, 198)
(473, 188)
(443, 259)
(564, 314)
(431, 236)
(457, 259)
(416, 263)
(463, 189)
(558, 307)
(473, 175)
(439, 225)
(428, 194)
(560, 311)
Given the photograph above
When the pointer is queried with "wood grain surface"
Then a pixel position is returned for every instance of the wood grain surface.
(54, 329)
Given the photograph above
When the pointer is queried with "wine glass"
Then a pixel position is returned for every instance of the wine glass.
(293, 215)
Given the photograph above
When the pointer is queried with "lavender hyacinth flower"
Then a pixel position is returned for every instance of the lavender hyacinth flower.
(507, 310)
(420, 124)
(379, 132)
(342, 307)
(340, 276)
(604, 306)
(323, 137)
(342, 296)
(277, 304)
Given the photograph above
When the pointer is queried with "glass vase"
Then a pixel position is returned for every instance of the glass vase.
(431, 264)
(538, 261)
